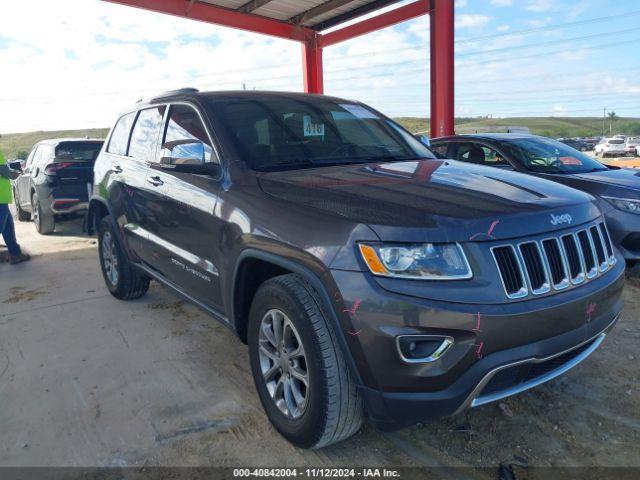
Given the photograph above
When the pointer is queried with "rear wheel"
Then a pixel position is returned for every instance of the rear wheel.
(22, 215)
(300, 373)
(122, 280)
(45, 223)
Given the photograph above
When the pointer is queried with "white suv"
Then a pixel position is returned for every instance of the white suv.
(613, 147)
(633, 146)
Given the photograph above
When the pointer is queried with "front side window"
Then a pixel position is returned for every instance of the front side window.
(120, 135)
(186, 136)
(544, 155)
(289, 133)
(145, 134)
(440, 150)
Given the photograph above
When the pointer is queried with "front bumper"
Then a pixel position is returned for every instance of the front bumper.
(489, 339)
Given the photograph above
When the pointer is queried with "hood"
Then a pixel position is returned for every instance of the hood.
(435, 200)
(617, 177)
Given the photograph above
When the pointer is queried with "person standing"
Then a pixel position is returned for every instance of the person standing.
(6, 219)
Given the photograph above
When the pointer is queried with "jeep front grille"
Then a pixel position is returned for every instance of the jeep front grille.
(538, 266)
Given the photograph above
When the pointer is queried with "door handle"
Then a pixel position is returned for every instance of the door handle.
(117, 169)
(155, 181)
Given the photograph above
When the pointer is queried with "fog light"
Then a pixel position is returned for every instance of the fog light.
(422, 348)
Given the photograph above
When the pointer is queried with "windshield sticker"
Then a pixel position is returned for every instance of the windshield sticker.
(312, 129)
(570, 161)
(358, 111)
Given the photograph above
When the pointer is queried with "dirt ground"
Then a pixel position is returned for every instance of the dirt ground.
(86, 380)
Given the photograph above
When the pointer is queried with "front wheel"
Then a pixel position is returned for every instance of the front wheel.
(45, 223)
(299, 370)
(122, 280)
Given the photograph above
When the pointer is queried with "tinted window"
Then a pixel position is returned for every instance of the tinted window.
(440, 150)
(616, 142)
(146, 133)
(120, 136)
(480, 154)
(289, 133)
(544, 155)
(79, 151)
(185, 124)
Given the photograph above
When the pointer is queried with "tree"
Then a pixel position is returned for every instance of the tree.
(612, 116)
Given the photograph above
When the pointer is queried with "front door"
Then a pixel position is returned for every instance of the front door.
(186, 232)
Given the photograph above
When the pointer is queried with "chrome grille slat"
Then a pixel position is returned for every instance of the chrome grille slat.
(537, 267)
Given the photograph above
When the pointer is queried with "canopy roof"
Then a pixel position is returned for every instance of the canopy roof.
(315, 14)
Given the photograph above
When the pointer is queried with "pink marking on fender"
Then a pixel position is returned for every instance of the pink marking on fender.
(354, 334)
(479, 349)
(590, 310)
(352, 310)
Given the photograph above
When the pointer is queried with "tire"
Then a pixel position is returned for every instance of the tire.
(122, 280)
(331, 408)
(45, 223)
(22, 215)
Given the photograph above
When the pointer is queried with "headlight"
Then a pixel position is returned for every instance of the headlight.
(624, 204)
(424, 261)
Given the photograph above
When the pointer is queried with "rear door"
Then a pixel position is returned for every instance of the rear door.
(143, 195)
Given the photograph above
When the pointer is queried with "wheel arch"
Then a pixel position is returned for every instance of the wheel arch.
(98, 209)
(242, 297)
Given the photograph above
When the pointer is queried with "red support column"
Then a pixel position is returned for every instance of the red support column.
(442, 68)
(312, 65)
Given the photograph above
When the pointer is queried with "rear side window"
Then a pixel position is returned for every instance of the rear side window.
(146, 133)
(78, 151)
(184, 124)
(120, 136)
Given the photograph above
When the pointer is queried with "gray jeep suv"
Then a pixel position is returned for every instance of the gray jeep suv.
(366, 276)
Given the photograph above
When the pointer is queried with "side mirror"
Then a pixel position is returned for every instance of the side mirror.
(423, 139)
(188, 156)
(17, 165)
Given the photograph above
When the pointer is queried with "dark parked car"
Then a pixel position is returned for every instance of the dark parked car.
(616, 189)
(56, 181)
(364, 274)
(580, 145)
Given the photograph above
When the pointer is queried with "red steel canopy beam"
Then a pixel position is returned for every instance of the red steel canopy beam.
(206, 12)
(442, 68)
(393, 17)
(312, 66)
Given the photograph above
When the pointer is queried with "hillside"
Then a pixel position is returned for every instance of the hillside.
(21, 143)
(547, 126)
(12, 144)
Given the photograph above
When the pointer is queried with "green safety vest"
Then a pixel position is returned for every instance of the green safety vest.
(5, 185)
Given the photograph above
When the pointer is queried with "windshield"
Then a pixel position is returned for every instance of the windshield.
(544, 155)
(78, 151)
(615, 141)
(284, 133)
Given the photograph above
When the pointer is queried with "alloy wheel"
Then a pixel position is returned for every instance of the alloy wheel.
(283, 364)
(110, 258)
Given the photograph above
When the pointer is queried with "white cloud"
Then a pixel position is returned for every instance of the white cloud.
(461, 3)
(503, 28)
(501, 3)
(471, 20)
(540, 5)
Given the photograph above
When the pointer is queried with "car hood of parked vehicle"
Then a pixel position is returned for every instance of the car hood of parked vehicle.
(435, 200)
(621, 177)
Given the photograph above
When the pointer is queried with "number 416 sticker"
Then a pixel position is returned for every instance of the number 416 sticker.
(312, 129)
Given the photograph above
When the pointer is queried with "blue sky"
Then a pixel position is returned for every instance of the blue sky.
(79, 62)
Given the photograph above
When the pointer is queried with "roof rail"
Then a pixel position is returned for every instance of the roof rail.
(176, 92)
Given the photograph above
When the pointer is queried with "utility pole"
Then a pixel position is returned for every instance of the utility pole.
(604, 119)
